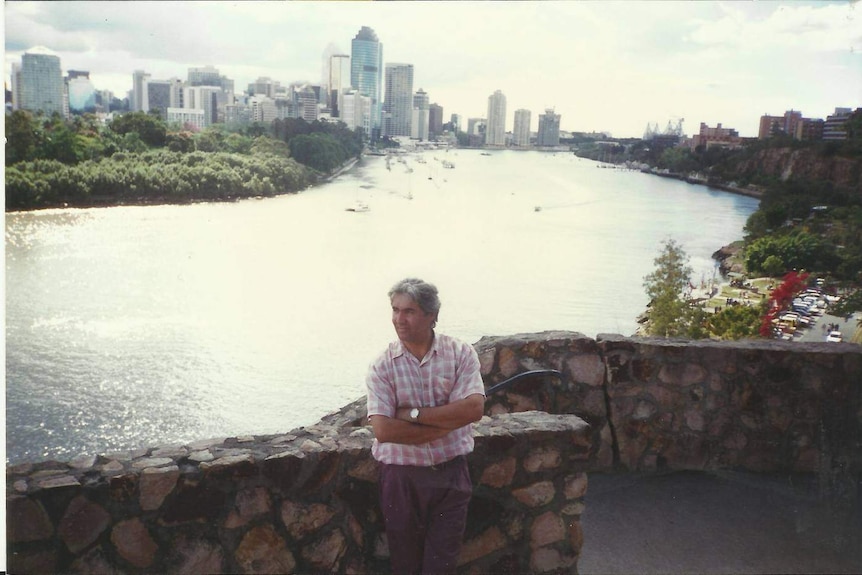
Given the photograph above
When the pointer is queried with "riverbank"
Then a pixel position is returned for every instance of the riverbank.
(747, 191)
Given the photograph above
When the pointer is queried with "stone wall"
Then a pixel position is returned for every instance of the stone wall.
(652, 403)
(307, 501)
(303, 502)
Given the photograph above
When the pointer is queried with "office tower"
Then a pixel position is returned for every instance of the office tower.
(205, 76)
(40, 85)
(398, 105)
(366, 70)
(202, 98)
(338, 81)
(16, 86)
(455, 120)
(139, 79)
(82, 93)
(305, 100)
(326, 80)
(159, 95)
(549, 129)
(495, 131)
(263, 86)
(521, 130)
(210, 76)
(435, 120)
(356, 110)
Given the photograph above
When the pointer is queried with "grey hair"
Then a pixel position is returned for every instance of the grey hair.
(423, 293)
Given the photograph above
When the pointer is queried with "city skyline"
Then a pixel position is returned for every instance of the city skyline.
(611, 67)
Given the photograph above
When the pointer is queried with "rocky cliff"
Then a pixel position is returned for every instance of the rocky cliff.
(807, 164)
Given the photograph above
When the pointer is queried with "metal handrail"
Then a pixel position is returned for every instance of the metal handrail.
(504, 384)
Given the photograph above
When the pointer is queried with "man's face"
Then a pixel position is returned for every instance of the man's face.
(411, 323)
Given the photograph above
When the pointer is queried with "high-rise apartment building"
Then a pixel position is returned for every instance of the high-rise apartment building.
(521, 129)
(495, 131)
(775, 125)
(709, 137)
(419, 125)
(305, 101)
(366, 71)
(38, 84)
(548, 133)
(398, 105)
(835, 126)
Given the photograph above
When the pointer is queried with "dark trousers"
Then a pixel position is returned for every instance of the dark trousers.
(425, 512)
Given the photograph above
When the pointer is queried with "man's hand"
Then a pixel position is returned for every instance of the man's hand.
(450, 416)
(391, 430)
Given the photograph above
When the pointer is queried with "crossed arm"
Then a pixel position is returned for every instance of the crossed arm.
(433, 423)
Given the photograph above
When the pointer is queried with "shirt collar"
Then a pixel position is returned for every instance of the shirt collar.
(397, 348)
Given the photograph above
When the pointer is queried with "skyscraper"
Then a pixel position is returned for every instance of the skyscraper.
(421, 112)
(495, 132)
(366, 71)
(398, 104)
(521, 131)
(139, 80)
(82, 93)
(435, 120)
(549, 129)
(40, 84)
(338, 81)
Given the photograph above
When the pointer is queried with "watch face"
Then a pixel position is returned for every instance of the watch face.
(414, 413)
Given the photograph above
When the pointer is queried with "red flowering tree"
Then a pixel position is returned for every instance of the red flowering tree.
(780, 299)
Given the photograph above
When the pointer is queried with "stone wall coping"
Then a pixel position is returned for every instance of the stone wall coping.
(207, 455)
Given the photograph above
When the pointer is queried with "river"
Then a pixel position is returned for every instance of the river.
(129, 327)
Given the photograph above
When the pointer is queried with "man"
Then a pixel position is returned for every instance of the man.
(424, 391)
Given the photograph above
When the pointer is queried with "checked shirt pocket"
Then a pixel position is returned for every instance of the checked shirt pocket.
(442, 389)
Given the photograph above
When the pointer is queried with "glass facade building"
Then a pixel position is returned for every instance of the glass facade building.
(41, 84)
(366, 71)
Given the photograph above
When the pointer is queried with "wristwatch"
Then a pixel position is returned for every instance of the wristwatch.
(414, 413)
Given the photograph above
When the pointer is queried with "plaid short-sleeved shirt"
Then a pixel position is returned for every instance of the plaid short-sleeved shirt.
(449, 372)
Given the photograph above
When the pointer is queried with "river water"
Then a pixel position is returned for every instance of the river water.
(143, 326)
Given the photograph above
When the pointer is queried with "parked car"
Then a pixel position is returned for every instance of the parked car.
(834, 336)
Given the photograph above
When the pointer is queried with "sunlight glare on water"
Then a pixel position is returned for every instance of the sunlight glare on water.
(145, 326)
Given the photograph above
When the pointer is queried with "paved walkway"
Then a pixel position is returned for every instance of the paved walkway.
(690, 522)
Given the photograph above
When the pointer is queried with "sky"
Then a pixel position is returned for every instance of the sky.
(603, 66)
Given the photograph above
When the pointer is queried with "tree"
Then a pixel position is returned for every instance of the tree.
(736, 322)
(669, 314)
(150, 128)
(774, 266)
(319, 151)
(780, 299)
(21, 138)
